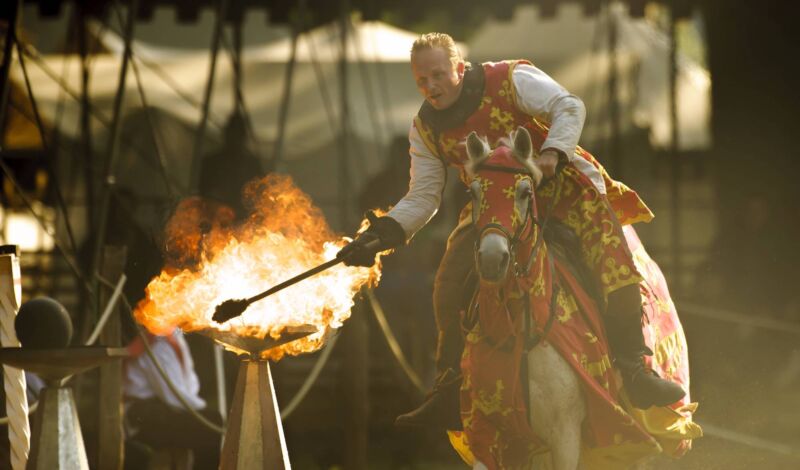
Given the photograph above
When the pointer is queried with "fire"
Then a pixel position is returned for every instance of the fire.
(210, 259)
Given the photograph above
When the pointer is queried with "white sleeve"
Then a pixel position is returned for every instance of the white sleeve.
(428, 176)
(541, 96)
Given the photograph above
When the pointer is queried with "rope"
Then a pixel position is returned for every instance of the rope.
(739, 318)
(99, 115)
(202, 419)
(285, 413)
(73, 266)
(236, 59)
(31, 409)
(171, 83)
(15, 386)
(92, 338)
(222, 7)
(311, 379)
(112, 302)
(391, 340)
(45, 145)
(99, 225)
(748, 440)
(288, 79)
(156, 136)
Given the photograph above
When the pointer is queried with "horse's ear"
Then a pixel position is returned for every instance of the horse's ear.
(523, 146)
(523, 152)
(477, 149)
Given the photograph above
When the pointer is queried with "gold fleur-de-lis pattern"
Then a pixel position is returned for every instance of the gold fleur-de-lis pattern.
(497, 116)
(494, 417)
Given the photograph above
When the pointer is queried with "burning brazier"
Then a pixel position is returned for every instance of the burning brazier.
(254, 434)
(214, 266)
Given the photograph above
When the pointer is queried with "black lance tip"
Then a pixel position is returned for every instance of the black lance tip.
(230, 309)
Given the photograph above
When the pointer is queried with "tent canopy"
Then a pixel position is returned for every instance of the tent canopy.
(572, 48)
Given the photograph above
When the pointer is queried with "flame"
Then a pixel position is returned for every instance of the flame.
(210, 259)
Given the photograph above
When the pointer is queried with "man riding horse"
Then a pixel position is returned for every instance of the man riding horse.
(493, 99)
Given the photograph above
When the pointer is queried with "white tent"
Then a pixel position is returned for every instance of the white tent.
(380, 84)
(571, 47)
(382, 98)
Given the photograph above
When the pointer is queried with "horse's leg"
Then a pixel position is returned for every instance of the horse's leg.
(557, 406)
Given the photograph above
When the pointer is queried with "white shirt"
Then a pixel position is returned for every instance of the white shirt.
(537, 95)
(143, 381)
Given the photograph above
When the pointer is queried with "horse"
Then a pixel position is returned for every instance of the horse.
(538, 377)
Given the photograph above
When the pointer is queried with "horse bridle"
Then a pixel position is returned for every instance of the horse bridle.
(492, 226)
(531, 339)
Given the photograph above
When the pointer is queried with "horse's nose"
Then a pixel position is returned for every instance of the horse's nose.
(493, 264)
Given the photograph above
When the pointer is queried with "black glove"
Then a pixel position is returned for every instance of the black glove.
(384, 233)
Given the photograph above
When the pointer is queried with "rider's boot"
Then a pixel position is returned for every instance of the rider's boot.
(441, 406)
(644, 387)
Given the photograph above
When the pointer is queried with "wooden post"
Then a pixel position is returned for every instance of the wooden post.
(356, 389)
(111, 442)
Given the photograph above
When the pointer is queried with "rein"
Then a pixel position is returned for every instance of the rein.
(533, 339)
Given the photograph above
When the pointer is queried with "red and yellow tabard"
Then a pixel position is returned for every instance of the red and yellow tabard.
(494, 406)
(497, 116)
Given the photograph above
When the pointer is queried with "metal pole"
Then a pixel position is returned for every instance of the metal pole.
(201, 130)
(85, 123)
(615, 149)
(113, 149)
(5, 68)
(344, 173)
(236, 62)
(49, 157)
(675, 161)
(356, 380)
(99, 115)
(283, 113)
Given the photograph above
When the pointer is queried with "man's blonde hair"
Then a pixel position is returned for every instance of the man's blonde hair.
(440, 40)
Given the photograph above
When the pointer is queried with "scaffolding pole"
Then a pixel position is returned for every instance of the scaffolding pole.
(109, 179)
(201, 129)
(675, 161)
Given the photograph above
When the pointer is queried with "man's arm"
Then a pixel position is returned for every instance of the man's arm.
(424, 195)
(542, 97)
(413, 211)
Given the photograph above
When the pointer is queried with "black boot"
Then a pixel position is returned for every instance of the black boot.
(440, 408)
(645, 388)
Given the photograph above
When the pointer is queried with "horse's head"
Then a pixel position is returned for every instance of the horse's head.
(502, 181)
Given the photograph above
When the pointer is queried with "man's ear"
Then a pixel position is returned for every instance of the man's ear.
(460, 69)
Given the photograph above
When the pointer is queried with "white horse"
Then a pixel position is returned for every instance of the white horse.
(556, 404)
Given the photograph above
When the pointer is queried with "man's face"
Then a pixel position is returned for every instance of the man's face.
(437, 80)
